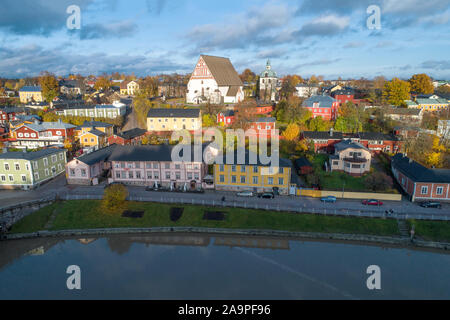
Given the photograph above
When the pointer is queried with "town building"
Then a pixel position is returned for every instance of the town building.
(9, 114)
(31, 94)
(303, 90)
(226, 117)
(163, 120)
(410, 115)
(303, 166)
(419, 182)
(153, 165)
(37, 135)
(129, 88)
(110, 111)
(344, 95)
(214, 80)
(260, 124)
(71, 87)
(27, 170)
(428, 104)
(268, 82)
(94, 134)
(350, 157)
(130, 137)
(89, 168)
(324, 141)
(255, 177)
(322, 106)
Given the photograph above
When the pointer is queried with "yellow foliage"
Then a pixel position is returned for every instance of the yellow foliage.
(292, 132)
(114, 199)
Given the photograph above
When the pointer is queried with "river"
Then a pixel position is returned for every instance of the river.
(190, 266)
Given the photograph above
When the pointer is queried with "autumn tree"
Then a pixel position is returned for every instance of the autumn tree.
(292, 132)
(318, 124)
(49, 86)
(444, 89)
(148, 87)
(349, 119)
(421, 83)
(379, 181)
(396, 91)
(102, 83)
(114, 199)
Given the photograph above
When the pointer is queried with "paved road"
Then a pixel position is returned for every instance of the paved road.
(58, 185)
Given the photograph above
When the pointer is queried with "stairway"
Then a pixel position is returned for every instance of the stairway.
(403, 228)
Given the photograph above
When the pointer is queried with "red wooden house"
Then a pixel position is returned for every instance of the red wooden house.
(130, 137)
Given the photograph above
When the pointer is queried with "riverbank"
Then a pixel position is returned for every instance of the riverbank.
(84, 217)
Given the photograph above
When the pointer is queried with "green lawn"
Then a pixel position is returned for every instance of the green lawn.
(35, 221)
(432, 230)
(88, 215)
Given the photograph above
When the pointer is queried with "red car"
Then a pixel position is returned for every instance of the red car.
(372, 203)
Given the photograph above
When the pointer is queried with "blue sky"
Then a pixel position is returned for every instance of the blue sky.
(147, 37)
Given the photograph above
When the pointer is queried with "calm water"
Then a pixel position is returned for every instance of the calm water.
(203, 267)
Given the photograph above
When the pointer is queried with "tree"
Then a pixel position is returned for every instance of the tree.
(350, 118)
(421, 83)
(292, 132)
(396, 92)
(208, 121)
(148, 87)
(318, 124)
(151, 139)
(379, 181)
(141, 106)
(49, 86)
(114, 199)
(378, 82)
(444, 89)
(102, 83)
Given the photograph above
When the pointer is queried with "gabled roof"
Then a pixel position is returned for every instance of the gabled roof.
(59, 125)
(323, 135)
(97, 156)
(93, 124)
(131, 134)
(405, 111)
(348, 144)
(30, 155)
(95, 132)
(323, 101)
(432, 101)
(232, 91)
(173, 113)
(419, 173)
(31, 89)
(222, 70)
(266, 119)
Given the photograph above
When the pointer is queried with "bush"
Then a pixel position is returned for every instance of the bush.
(114, 199)
(379, 181)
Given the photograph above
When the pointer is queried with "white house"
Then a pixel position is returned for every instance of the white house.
(306, 90)
(216, 81)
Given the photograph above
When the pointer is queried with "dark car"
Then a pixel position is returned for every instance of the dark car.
(372, 203)
(430, 204)
(267, 195)
(329, 199)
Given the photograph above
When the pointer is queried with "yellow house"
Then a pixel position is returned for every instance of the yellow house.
(253, 177)
(160, 120)
(30, 94)
(94, 133)
(433, 104)
(129, 87)
(93, 138)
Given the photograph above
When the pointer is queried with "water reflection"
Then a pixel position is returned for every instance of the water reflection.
(201, 266)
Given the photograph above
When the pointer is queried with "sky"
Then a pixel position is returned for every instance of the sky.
(148, 37)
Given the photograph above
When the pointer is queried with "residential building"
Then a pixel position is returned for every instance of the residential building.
(30, 94)
(129, 88)
(350, 157)
(163, 120)
(304, 90)
(9, 114)
(419, 182)
(71, 87)
(37, 135)
(325, 141)
(227, 117)
(268, 82)
(409, 115)
(214, 80)
(147, 165)
(27, 170)
(253, 176)
(261, 124)
(130, 137)
(322, 106)
(110, 111)
(303, 166)
(344, 95)
(429, 104)
(89, 168)
(94, 134)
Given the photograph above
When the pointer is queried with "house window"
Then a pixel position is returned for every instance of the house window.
(177, 175)
(36, 176)
(243, 168)
(149, 175)
(61, 156)
(440, 191)
(280, 181)
(47, 172)
(196, 176)
(3, 178)
(270, 181)
(17, 167)
(222, 178)
(130, 175)
(54, 158)
(233, 168)
(189, 175)
(424, 190)
(242, 179)
(281, 170)
(59, 167)
(167, 165)
(45, 162)
(6, 166)
(83, 172)
(24, 178)
(156, 175)
(177, 166)
(255, 180)
(155, 166)
(221, 168)
(233, 179)
(35, 165)
(255, 169)
(167, 175)
(138, 174)
(11, 178)
(72, 172)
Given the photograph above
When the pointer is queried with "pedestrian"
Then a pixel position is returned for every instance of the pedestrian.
(223, 199)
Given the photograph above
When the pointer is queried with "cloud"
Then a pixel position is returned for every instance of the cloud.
(328, 25)
(271, 53)
(156, 6)
(241, 30)
(441, 65)
(354, 44)
(120, 29)
(319, 62)
(32, 59)
(41, 17)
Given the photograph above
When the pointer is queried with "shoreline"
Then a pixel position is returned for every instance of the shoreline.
(391, 240)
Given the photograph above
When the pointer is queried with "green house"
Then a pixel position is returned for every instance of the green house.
(27, 170)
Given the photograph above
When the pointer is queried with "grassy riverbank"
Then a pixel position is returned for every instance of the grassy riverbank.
(87, 214)
(432, 230)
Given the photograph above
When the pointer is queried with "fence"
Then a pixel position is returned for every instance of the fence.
(295, 208)
(349, 195)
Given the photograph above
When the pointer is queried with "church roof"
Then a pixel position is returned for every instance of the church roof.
(268, 73)
(222, 71)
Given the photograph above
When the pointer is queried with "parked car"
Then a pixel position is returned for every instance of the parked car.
(267, 195)
(329, 199)
(245, 194)
(372, 202)
(430, 204)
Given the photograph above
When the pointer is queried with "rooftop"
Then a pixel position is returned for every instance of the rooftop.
(174, 113)
(419, 173)
(29, 155)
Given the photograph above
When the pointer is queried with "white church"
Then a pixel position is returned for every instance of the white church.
(268, 82)
(214, 80)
